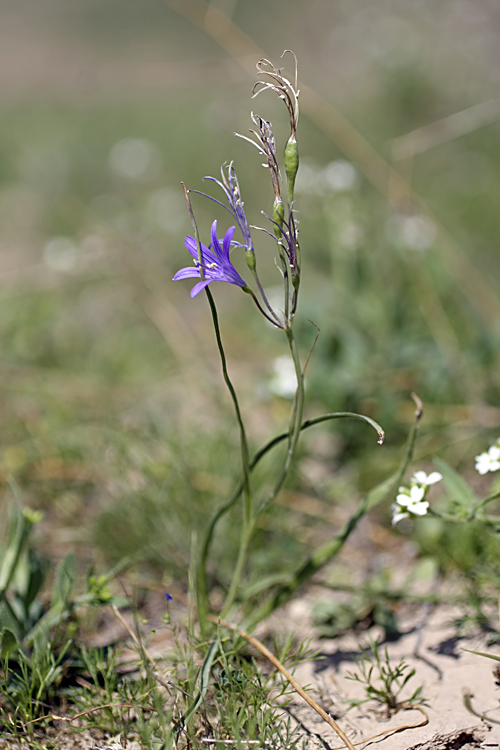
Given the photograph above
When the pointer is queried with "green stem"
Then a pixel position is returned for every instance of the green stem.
(246, 536)
(286, 281)
(295, 424)
(274, 320)
(245, 456)
(293, 437)
(202, 573)
(329, 550)
(486, 501)
(487, 520)
(317, 561)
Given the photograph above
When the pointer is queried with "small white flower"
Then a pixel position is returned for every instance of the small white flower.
(419, 509)
(409, 501)
(411, 497)
(482, 463)
(421, 478)
(398, 514)
(489, 461)
(494, 452)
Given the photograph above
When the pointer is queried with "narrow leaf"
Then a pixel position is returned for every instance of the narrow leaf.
(204, 683)
(482, 653)
(16, 537)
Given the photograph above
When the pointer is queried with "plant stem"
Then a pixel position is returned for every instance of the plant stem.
(490, 499)
(311, 566)
(328, 551)
(202, 577)
(295, 423)
(245, 456)
(246, 535)
(293, 437)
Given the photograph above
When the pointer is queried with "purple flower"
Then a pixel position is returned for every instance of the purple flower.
(215, 261)
(169, 598)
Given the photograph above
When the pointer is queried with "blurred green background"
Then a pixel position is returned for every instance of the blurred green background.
(115, 420)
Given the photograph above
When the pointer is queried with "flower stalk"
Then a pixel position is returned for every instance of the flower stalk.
(212, 263)
(293, 439)
(295, 424)
(245, 456)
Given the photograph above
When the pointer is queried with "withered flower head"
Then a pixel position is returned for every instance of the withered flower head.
(265, 143)
(274, 80)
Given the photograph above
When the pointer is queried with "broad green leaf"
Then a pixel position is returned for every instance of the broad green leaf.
(456, 487)
(8, 643)
(52, 618)
(36, 571)
(8, 619)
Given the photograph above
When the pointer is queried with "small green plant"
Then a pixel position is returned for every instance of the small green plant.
(360, 612)
(466, 536)
(384, 682)
(36, 636)
(125, 691)
(31, 681)
(242, 700)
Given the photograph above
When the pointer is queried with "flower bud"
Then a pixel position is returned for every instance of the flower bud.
(291, 166)
(31, 516)
(250, 258)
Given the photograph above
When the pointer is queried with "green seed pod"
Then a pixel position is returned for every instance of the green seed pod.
(278, 216)
(291, 166)
(251, 262)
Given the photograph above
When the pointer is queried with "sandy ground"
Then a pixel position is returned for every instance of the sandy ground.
(445, 669)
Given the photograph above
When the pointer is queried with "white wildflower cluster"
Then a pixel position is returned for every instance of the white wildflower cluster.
(411, 500)
(489, 461)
